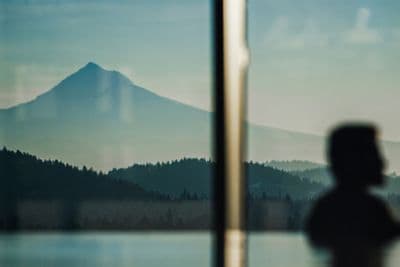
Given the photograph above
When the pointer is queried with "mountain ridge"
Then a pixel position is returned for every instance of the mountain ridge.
(92, 66)
(101, 119)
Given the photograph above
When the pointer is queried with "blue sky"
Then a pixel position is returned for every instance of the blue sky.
(314, 63)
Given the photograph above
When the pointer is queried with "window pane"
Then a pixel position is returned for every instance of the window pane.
(315, 64)
(105, 125)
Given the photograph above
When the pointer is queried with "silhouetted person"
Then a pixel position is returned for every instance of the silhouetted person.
(348, 220)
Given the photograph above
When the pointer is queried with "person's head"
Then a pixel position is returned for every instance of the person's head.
(354, 155)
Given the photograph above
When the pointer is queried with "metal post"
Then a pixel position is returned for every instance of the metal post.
(230, 69)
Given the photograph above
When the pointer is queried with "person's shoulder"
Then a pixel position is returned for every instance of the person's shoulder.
(328, 197)
(375, 200)
(323, 204)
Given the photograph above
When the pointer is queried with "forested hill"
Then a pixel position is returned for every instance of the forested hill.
(324, 176)
(24, 176)
(276, 183)
(293, 165)
(174, 177)
(194, 176)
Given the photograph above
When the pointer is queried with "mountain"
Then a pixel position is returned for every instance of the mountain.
(264, 180)
(195, 177)
(100, 119)
(172, 178)
(271, 144)
(40, 194)
(25, 177)
(320, 175)
(293, 165)
(323, 176)
(51, 195)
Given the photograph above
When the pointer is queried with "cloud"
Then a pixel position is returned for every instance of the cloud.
(361, 33)
(282, 36)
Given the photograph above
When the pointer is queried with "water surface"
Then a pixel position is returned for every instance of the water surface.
(154, 250)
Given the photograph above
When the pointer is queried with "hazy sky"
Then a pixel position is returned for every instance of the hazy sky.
(313, 62)
(163, 45)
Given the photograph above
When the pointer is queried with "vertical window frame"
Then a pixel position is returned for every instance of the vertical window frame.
(230, 74)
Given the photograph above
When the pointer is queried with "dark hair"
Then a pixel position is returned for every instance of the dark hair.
(349, 150)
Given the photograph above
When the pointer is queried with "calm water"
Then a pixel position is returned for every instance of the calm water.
(151, 250)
